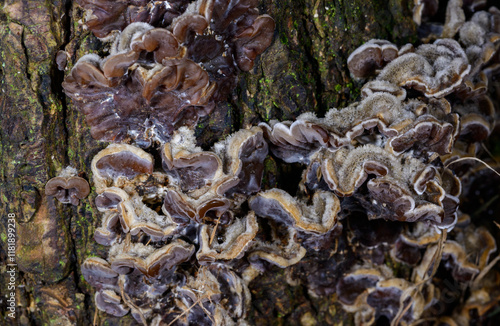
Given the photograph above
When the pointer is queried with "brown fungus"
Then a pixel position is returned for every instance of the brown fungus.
(111, 303)
(455, 259)
(282, 250)
(98, 273)
(318, 218)
(135, 216)
(209, 208)
(127, 185)
(381, 154)
(373, 293)
(434, 129)
(410, 124)
(110, 198)
(253, 40)
(477, 117)
(106, 16)
(216, 296)
(117, 163)
(388, 296)
(372, 55)
(434, 69)
(107, 233)
(197, 53)
(406, 253)
(246, 151)
(68, 190)
(345, 170)
(127, 98)
(423, 9)
(455, 17)
(479, 36)
(412, 241)
(236, 291)
(149, 261)
(295, 142)
(478, 243)
(352, 288)
(191, 167)
(198, 296)
(481, 40)
(227, 243)
(403, 189)
(234, 167)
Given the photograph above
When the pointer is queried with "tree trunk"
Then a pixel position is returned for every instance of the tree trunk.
(304, 70)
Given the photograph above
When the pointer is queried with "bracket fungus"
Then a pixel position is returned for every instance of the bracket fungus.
(281, 251)
(67, 187)
(148, 260)
(318, 218)
(403, 124)
(154, 221)
(372, 55)
(106, 16)
(435, 69)
(168, 65)
(118, 163)
(228, 243)
(373, 292)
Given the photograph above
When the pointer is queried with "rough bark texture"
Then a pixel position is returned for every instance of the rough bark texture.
(303, 70)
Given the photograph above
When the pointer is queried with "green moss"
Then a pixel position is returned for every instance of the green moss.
(71, 154)
(284, 39)
(331, 11)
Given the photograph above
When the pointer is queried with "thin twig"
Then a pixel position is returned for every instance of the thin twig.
(95, 316)
(436, 258)
(127, 241)
(423, 320)
(438, 254)
(485, 271)
(129, 303)
(336, 248)
(209, 315)
(184, 312)
(489, 153)
(473, 159)
(212, 236)
(405, 310)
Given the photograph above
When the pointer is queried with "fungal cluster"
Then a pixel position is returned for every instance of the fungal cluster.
(174, 235)
(189, 229)
(422, 109)
(165, 69)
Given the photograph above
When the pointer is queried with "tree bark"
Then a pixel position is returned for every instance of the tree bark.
(304, 70)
